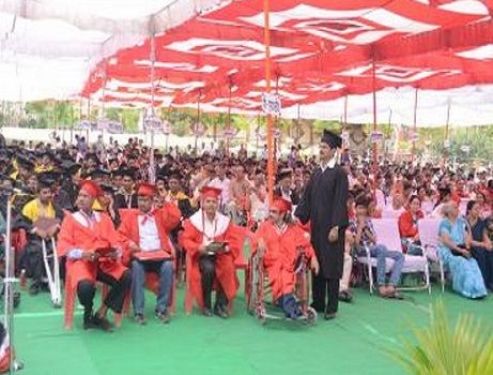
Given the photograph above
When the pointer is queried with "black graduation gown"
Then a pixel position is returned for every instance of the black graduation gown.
(324, 204)
(121, 202)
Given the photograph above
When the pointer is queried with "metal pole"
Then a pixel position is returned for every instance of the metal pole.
(9, 282)
(270, 124)
(374, 145)
(152, 167)
(415, 123)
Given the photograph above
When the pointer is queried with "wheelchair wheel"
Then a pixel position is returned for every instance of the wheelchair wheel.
(261, 314)
(311, 315)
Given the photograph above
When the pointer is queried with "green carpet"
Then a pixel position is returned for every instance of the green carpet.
(354, 343)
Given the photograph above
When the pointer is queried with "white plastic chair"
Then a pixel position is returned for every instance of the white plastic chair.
(387, 231)
(428, 235)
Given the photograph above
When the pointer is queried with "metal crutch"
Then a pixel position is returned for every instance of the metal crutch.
(53, 276)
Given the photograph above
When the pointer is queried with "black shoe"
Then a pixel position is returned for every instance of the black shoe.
(163, 316)
(34, 289)
(221, 312)
(345, 296)
(329, 316)
(17, 299)
(207, 312)
(140, 319)
(102, 323)
(317, 308)
(88, 321)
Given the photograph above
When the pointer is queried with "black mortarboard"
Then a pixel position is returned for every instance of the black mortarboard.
(108, 188)
(99, 173)
(175, 175)
(70, 167)
(444, 190)
(48, 179)
(24, 162)
(284, 173)
(128, 172)
(92, 156)
(332, 139)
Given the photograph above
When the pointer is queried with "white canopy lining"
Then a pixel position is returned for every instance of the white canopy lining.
(48, 47)
(467, 106)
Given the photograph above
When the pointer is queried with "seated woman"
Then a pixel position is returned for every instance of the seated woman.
(454, 251)
(408, 226)
(424, 196)
(280, 243)
(484, 206)
(481, 246)
(444, 197)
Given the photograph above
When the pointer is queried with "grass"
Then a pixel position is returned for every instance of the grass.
(354, 343)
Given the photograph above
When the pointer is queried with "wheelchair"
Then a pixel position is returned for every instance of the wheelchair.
(257, 290)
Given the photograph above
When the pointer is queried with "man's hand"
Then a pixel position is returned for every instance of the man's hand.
(314, 266)
(114, 255)
(89, 255)
(203, 249)
(133, 247)
(53, 231)
(40, 232)
(334, 234)
(262, 247)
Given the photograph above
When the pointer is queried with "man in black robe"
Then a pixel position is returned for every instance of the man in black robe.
(324, 205)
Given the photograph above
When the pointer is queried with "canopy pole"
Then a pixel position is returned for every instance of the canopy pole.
(152, 163)
(198, 123)
(270, 124)
(345, 111)
(415, 124)
(229, 120)
(374, 89)
(446, 153)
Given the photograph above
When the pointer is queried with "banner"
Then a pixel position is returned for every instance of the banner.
(271, 104)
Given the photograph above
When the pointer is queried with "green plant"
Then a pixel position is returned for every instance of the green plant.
(444, 349)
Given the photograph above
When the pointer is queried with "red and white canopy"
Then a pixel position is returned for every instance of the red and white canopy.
(322, 52)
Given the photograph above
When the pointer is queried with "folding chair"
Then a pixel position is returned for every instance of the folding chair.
(463, 206)
(387, 231)
(428, 235)
(240, 264)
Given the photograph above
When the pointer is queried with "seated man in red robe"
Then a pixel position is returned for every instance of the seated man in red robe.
(212, 244)
(145, 235)
(281, 242)
(91, 245)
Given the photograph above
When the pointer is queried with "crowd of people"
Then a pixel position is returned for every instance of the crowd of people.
(129, 216)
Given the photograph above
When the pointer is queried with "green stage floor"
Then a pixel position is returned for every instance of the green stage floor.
(354, 343)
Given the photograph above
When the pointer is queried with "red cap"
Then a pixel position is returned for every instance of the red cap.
(146, 190)
(282, 205)
(91, 188)
(210, 192)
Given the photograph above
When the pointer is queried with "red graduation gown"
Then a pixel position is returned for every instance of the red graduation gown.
(282, 250)
(191, 240)
(75, 235)
(167, 218)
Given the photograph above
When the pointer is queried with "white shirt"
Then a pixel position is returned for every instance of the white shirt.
(330, 164)
(149, 235)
